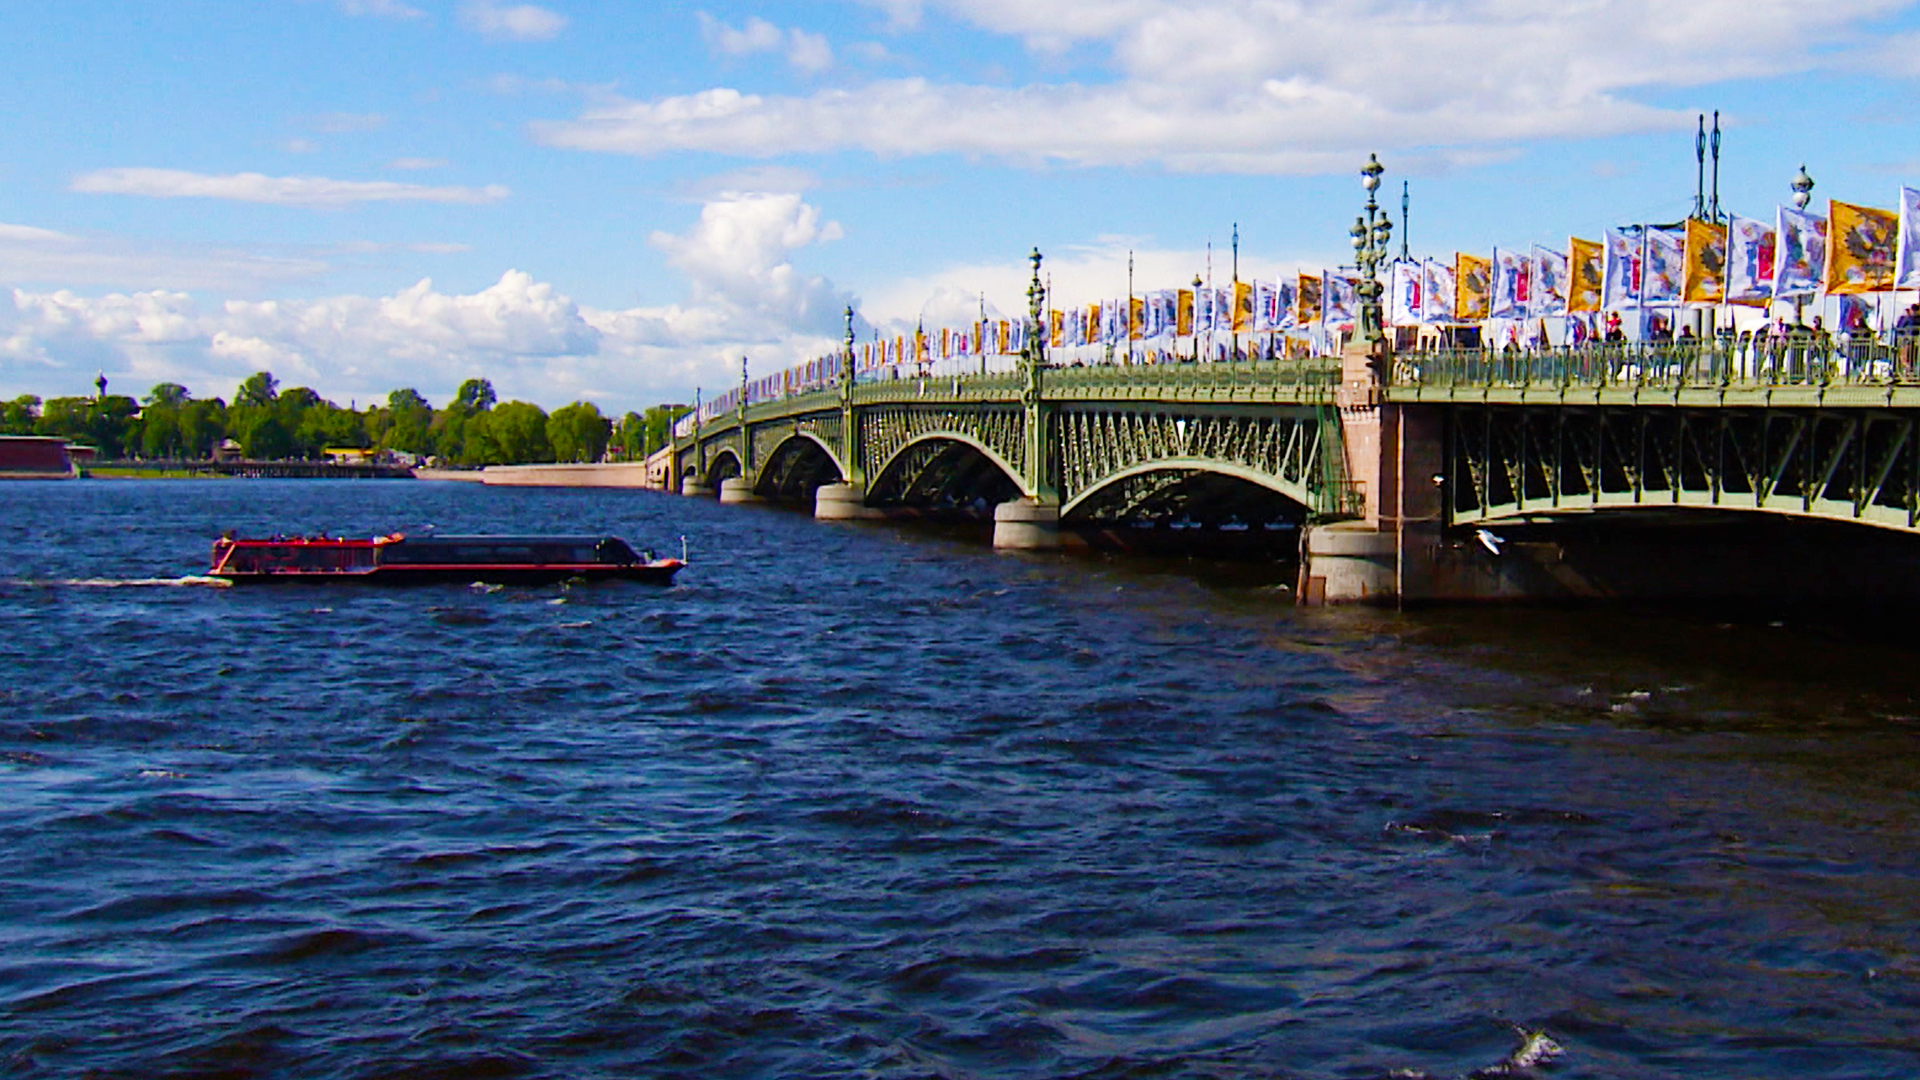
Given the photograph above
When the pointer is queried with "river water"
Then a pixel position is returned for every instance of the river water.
(852, 800)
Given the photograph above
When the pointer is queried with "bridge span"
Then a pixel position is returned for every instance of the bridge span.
(1421, 476)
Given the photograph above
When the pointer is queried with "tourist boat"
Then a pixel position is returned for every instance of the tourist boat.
(401, 559)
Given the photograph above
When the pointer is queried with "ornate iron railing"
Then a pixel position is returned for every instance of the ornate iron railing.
(1796, 360)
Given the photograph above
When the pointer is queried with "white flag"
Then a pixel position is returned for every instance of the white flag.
(1666, 260)
(1438, 293)
(1800, 254)
(1906, 265)
(1750, 247)
(1621, 276)
(1404, 288)
(1549, 283)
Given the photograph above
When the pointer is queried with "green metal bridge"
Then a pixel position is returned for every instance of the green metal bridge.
(1791, 427)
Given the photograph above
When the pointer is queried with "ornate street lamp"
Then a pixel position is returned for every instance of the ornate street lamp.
(1802, 186)
(1033, 352)
(1371, 232)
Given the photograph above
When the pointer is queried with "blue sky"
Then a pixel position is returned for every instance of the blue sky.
(618, 201)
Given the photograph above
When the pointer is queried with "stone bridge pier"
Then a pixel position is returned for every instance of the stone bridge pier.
(1394, 459)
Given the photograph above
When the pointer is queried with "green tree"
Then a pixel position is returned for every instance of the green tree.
(259, 389)
(267, 439)
(168, 393)
(578, 432)
(660, 420)
(518, 431)
(629, 437)
(408, 418)
(108, 423)
(474, 396)
(202, 424)
(21, 416)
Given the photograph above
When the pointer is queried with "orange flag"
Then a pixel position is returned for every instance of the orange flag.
(1860, 248)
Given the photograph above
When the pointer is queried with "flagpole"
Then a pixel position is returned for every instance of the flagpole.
(1129, 307)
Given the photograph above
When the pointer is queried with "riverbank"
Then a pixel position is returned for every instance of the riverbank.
(611, 475)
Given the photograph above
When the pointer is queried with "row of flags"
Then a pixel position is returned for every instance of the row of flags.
(1850, 252)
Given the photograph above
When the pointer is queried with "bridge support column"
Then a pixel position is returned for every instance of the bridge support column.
(842, 502)
(692, 488)
(738, 489)
(1393, 453)
(1026, 525)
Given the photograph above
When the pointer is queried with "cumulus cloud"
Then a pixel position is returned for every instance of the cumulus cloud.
(1284, 86)
(807, 52)
(312, 191)
(745, 296)
(512, 22)
(736, 260)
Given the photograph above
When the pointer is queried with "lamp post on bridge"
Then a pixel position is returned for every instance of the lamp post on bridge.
(1802, 186)
(1371, 233)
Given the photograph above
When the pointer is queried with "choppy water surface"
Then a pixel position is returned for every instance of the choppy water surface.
(851, 801)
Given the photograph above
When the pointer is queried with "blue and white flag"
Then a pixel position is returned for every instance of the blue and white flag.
(1406, 288)
(1750, 247)
(1342, 289)
(1906, 261)
(1438, 293)
(1621, 276)
(1286, 294)
(1800, 253)
(1510, 271)
(1666, 264)
(1548, 284)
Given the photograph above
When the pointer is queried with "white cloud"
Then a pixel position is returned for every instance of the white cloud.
(745, 296)
(315, 191)
(736, 262)
(516, 22)
(29, 254)
(300, 146)
(1257, 86)
(385, 9)
(415, 164)
(807, 52)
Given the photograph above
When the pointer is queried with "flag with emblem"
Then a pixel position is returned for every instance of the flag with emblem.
(1704, 279)
(1750, 245)
(1861, 243)
(1800, 253)
(1472, 287)
(1586, 277)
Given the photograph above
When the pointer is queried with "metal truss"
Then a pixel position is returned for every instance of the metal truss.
(1278, 447)
(1847, 464)
(886, 430)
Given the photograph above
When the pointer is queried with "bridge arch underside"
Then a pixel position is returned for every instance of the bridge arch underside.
(944, 474)
(723, 465)
(1186, 493)
(795, 468)
(1511, 463)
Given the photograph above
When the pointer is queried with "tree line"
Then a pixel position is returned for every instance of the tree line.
(271, 424)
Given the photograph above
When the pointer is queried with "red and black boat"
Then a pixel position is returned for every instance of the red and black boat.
(401, 559)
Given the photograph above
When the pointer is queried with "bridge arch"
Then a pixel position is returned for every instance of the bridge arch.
(796, 465)
(1194, 489)
(944, 468)
(723, 465)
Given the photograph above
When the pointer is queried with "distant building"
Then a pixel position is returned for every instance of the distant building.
(36, 457)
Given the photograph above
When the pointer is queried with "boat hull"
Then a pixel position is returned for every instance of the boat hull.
(652, 573)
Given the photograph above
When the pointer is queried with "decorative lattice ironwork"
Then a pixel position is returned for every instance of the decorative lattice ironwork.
(1848, 464)
(1278, 447)
(889, 429)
